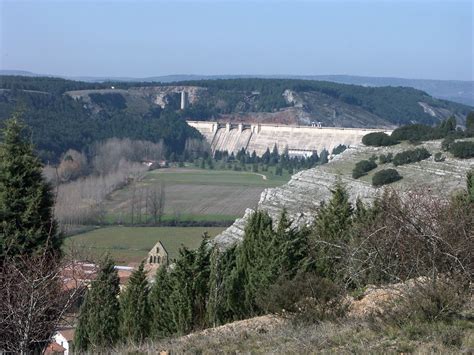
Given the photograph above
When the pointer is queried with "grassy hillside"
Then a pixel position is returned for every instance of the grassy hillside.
(131, 244)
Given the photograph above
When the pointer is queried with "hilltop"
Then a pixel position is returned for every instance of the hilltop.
(453, 90)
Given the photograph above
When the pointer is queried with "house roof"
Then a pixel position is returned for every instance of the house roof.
(54, 348)
(159, 243)
(67, 333)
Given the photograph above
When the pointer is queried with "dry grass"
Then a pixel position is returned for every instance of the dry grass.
(349, 336)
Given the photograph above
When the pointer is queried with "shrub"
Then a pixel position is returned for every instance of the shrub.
(384, 159)
(423, 300)
(384, 177)
(362, 167)
(447, 143)
(463, 150)
(414, 132)
(306, 298)
(421, 132)
(438, 157)
(411, 156)
(339, 149)
(378, 139)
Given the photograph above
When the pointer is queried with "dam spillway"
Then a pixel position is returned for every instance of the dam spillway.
(258, 137)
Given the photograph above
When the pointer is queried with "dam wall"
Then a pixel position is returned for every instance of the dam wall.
(258, 137)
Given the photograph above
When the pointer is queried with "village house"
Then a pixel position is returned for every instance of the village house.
(157, 256)
(62, 342)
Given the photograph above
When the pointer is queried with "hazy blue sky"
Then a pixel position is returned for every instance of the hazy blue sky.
(422, 39)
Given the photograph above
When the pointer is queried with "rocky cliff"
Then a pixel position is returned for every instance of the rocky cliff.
(302, 195)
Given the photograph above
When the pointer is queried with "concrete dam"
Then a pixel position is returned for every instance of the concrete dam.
(300, 140)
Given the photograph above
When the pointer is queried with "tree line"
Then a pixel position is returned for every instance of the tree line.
(59, 122)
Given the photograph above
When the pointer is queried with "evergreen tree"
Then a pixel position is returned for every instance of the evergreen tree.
(332, 231)
(162, 324)
(98, 325)
(470, 123)
(254, 259)
(290, 249)
(323, 157)
(181, 296)
(27, 225)
(134, 308)
(200, 281)
(226, 294)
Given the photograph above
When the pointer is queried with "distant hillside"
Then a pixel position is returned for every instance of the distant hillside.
(453, 90)
(59, 122)
(72, 114)
(291, 101)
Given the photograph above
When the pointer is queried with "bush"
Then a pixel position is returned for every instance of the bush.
(463, 150)
(384, 177)
(306, 298)
(378, 139)
(415, 132)
(447, 143)
(362, 167)
(384, 159)
(438, 157)
(339, 149)
(411, 156)
(422, 300)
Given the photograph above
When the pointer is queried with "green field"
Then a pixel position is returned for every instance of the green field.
(131, 244)
(191, 194)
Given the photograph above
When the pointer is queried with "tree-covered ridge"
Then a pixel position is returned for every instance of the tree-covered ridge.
(45, 84)
(59, 122)
(399, 105)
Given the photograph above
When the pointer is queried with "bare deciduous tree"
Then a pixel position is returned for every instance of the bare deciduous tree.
(156, 202)
(35, 298)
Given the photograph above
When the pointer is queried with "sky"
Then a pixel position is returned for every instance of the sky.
(408, 39)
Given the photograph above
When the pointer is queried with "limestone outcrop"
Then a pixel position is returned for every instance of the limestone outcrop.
(302, 195)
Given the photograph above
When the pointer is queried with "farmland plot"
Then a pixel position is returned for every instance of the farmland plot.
(190, 194)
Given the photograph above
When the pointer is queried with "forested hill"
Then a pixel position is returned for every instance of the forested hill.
(67, 114)
(300, 101)
(59, 122)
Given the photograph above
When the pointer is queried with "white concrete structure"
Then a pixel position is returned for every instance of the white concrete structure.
(258, 137)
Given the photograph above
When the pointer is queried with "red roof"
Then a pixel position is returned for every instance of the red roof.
(54, 348)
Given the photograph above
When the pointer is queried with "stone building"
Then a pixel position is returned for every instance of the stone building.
(157, 256)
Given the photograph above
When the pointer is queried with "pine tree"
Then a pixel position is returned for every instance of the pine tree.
(162, 324)
(200, 282)
(290, 249)
(323, 157)
(254, 261)
(181, 295)
(27, 225)
(134, 308)
(470, 122)
(98, 325)
(332, 231)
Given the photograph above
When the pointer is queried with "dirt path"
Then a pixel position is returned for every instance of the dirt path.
(264, 177)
